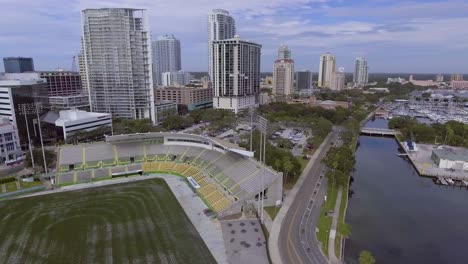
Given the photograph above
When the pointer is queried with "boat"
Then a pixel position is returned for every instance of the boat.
(450, 181)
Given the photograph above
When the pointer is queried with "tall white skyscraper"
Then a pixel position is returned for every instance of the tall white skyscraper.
(116, 55)
(283, 73)
(284, 52)
(166, 57)
(220, 26)
(235, 73)
(326, 70)
(338, 80)
(361, 74)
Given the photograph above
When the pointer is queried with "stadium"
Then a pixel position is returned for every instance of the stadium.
(225, 176)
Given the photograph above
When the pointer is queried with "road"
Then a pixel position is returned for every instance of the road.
(297, 240)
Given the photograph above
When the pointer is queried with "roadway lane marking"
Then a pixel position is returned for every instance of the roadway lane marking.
(290, 241)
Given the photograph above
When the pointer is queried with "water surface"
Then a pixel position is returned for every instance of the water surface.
(399, 216)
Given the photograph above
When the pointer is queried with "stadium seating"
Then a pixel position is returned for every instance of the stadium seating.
(215, 171)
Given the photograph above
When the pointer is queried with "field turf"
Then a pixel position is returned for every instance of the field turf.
(138, 222)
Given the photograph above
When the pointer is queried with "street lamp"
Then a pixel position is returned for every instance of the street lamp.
(263, 126)
(25, 109)
(251, 112)
(33, 108)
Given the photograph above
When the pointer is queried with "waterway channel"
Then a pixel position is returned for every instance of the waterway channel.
(399, 216)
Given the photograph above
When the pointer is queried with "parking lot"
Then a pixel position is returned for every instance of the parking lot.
(295, 136)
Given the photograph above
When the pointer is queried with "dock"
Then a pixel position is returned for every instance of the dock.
(422, 162)
(442, 181)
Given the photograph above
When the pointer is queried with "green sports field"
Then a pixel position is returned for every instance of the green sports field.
(139, 222)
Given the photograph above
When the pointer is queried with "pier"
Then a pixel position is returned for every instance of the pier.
(424, 165)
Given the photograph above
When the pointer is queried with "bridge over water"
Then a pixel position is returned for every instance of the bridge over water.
(379, 131)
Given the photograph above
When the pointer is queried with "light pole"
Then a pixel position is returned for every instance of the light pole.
(251, 112)
(24, 112)
(263, 125)
(38, 109)
(31, 108)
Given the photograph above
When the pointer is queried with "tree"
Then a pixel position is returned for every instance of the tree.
(173, 122)
(38, 160)
(284, 143)
(182, 109)
(288, 166)
(366, 257)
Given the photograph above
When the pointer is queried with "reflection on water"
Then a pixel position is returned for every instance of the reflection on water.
(399, 216)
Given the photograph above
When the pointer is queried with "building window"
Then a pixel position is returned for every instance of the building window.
(10, 146)
(8, 136)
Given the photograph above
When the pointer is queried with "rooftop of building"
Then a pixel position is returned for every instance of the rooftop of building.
(236, 38)
(284, 60)
(63, 116)
(448, 153)
(58, 72)
(17, 79)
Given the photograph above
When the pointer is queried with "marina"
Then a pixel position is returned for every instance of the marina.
(432, 106)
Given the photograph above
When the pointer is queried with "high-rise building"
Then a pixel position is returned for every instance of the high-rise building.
(166, 57)
(220, 26)
(326, 70)
(62, 83)
(284, 52)
(283, 77)
(456, 77)
(439, 78)
(18, 64)
(338, 80)
(361, 71)
(235, 73)
(303, 80)
(178, 78)
(283, 73)
(116, 54)
(18, 90)
(64, 89)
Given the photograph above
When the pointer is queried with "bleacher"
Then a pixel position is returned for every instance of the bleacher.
(233, 176)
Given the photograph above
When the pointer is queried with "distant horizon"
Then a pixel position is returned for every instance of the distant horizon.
(395, 36)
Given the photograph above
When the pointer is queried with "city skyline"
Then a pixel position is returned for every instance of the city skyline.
(395, 37)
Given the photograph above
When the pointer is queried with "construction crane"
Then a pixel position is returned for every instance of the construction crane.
(73, 66)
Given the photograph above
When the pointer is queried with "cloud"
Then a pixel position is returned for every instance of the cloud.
(416, 31)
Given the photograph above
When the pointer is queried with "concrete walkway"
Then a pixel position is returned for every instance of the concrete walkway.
(331, 240)
(267, 221)
(275, 229)
(209, 229)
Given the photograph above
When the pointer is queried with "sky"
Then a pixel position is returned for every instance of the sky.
(419, 36)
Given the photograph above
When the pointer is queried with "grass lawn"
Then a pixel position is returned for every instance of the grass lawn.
(303, 162)
(10, 186)
(26, 185)
(122, 223)
(324, 222)
(341, 220)
(272, 211)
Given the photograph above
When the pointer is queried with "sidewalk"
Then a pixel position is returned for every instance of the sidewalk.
(267, 221)
(276, 227)
(331, 240)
